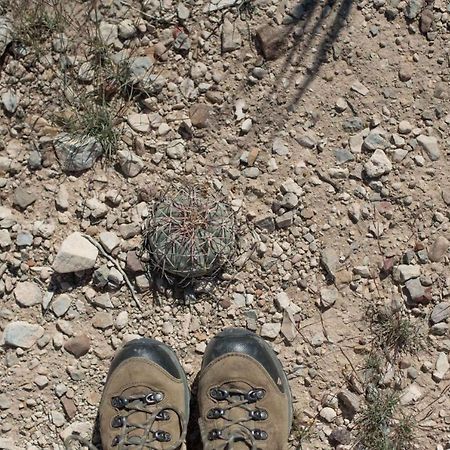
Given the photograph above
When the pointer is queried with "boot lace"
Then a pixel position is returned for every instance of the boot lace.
(236, 430)
(149, 439)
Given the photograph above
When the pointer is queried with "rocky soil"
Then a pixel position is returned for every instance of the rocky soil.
(325, 125)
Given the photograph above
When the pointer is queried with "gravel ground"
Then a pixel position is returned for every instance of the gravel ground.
(325, 127)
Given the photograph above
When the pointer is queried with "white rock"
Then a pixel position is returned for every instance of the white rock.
(405, 272)
(121, 320)
(430, 145)
(378, 164)
(5, 239)
(22, 334)
(127, 29)
(231, 38)
(61, 304)
(442, 366)
(270, 330)
(246, 126)
(10, 101)
(62, 198)
(139, 122)
(130, 163)
(77, 153)
(175, 149)
(109, 240)
(28, 294)
(75, 254)
(108, 32)
(328, 414)
(410, 394)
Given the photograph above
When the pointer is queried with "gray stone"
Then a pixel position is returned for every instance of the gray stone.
(349, 404)
(231, 38)
(441, 368)
(126, 29)
(430, 145)
(410, 394)
(288, 327)
(378, 164)
(100, 276)
(6, 33)
(130, 164)
(215, 5)
(103, 301)
(440, 313)
(439, 249)
(289, 185)
(343, 155)
(439, 329)
(353, 124)
(108, 32)
(61, 305)
(176, 149)
(102, 320)
(35, 160)
(23, 198)
(10, 101)
(270, 330)
(359, 88)
(279, 147)
(265, 222)
(77, 153)
(182, 11)
(330, 261)
(28, 294)
(139, 123)
(374, 141)
(415, 289)
(328, 297)
(24, 239)
(5, 239)
(75, 254)
(109, 240)
(285, 220)
(413, 9)
(22, 334)
(5, 402)
(121, 320)
(62, 198)
(328, 414)
(405, 272)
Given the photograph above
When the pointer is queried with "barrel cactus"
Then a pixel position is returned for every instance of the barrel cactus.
(190, 234)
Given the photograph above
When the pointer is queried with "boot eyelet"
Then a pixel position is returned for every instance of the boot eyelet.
(219, 394)
(215, 413)
(255, 395)
(214, 434)
(162, 436)
(115, 441)
(154, 397)
(163, 415)
(259, 414)
(259, 435)
(118, 402)
(117, 422)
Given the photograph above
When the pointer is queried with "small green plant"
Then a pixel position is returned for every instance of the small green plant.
(90, 117)
(378, 429)
(35, 21)
(394, 332)
(190, 234)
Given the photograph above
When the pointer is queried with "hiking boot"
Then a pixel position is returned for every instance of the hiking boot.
(243, 395)
(145, 402)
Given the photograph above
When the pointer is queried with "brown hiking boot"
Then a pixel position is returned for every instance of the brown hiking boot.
(243, 395)
(145, 402)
